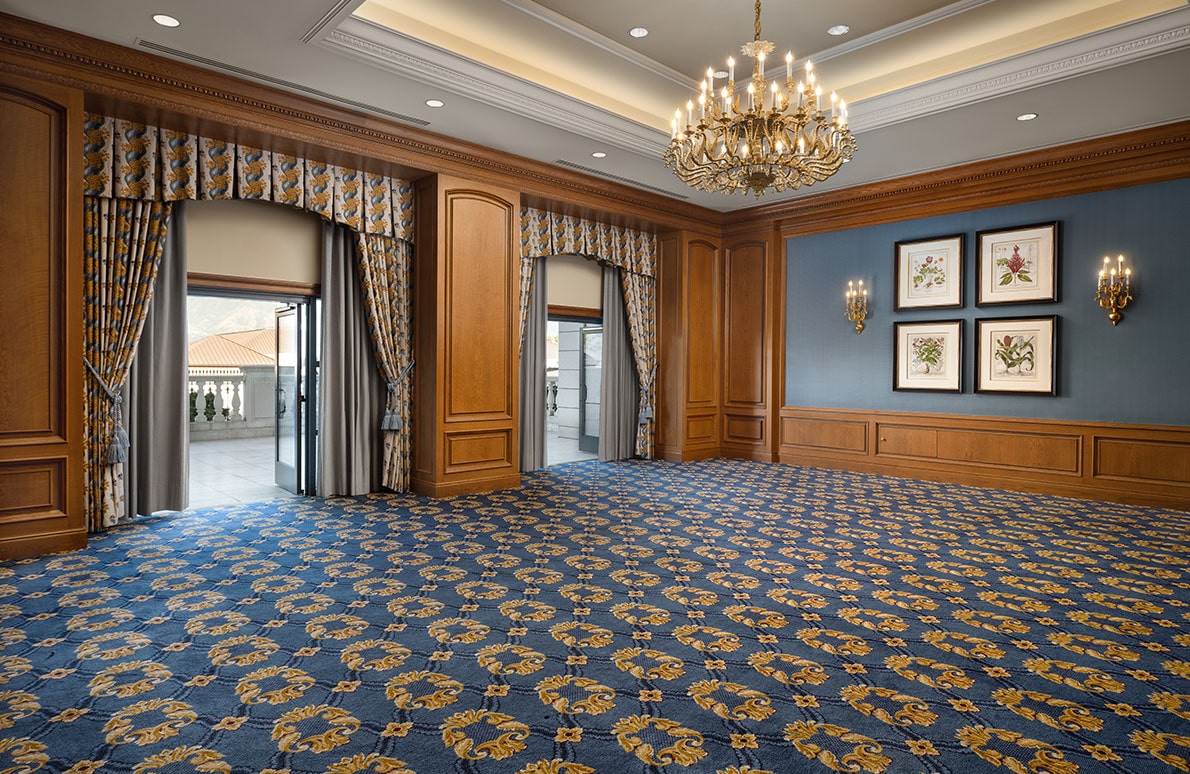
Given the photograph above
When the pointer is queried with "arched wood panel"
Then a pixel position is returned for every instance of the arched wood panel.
(41, 481)
(466, 337)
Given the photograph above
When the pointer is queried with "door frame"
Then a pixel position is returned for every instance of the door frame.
(282, 292)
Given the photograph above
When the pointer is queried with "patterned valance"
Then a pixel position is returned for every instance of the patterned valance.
(129, 160)
(547, 233)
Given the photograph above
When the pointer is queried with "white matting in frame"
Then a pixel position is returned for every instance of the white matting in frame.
(1016, 354)
(930, 273)
(1018, 265)
(928, 356)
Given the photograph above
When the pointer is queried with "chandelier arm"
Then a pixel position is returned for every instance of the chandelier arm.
(752, 148)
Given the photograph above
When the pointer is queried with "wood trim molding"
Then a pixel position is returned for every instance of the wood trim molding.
(1139, 464)
(200, 281)
(582, 312)
(1145, 156)
(142, 86)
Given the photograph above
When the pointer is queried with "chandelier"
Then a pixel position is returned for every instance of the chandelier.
(772, 137)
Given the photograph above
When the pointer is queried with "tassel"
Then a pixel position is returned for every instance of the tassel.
(646, 414)
(117, 447)
(391, 421)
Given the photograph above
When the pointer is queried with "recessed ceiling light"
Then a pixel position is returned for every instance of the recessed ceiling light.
(1026, 116)
(165, 20)
(638, 32)
(720, 73)
(435, 103)
(598, 155)
(838, 29)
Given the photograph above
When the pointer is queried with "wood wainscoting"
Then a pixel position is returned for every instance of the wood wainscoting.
(1140, 464)
(41, 319)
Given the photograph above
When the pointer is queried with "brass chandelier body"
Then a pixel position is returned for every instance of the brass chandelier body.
(772, 137)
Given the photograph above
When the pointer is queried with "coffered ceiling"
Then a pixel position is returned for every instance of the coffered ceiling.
(930, 84)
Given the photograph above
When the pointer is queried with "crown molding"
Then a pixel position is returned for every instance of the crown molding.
(596, 40)
(396, 52)
(1140, 157)
(1101, 50)
(411, 58)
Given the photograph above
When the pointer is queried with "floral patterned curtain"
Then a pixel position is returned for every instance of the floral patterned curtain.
(385, 274)
(132, 171)
(635, 252)
(128, 160)
(123, 240)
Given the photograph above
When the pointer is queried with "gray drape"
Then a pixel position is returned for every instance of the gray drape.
(618, 392)
(351, 392)
(532, 401)
(157, 474)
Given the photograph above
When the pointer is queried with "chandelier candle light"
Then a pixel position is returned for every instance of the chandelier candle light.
(777, 137)
(1114, 291)
(857, 305)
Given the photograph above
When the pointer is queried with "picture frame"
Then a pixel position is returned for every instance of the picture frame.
(929, 273)
(928, 356)
(1017, 355)
(1018, 265)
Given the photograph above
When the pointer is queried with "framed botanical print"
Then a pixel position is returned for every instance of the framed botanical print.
(930, 273)
(1018, 265)
(1016, 354)
(928, 356)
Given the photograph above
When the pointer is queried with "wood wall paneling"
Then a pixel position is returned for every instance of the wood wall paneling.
(1146, 465)
(749, 316)
(1142, 461)
(689, 346)
(703, 333)
(671, 347)
(480, 332)
(836, 435)
(466, 276)
(41, 484)
(745, 311)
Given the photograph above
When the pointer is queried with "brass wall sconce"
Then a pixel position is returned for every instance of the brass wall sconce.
(1114, 290)
(857, 305)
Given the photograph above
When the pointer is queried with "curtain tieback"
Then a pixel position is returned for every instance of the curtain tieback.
(118, 443)
(646, 410)
(392, 416)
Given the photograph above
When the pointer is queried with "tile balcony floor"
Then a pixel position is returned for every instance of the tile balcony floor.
(231, 471)
(559, 450)
(240, 470)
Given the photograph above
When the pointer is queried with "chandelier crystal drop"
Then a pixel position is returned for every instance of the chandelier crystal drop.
(770, 137)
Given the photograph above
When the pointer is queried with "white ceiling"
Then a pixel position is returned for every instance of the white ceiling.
(930, 84)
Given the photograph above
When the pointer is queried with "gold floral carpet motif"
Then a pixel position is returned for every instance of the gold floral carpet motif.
(718, 616)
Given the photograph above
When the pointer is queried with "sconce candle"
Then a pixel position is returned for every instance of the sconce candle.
(1114, 290)
(857, 305)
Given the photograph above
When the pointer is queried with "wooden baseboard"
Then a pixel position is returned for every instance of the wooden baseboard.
(468, 486)
(41, 544)
(747, 453)
(675, 454)
(1138, 464)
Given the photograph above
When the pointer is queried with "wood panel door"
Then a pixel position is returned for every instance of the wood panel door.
(41, 323)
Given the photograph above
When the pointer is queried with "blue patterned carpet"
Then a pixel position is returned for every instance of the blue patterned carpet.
(720, 616)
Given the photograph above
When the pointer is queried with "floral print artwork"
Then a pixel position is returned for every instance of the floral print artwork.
(1014, 355)
(927, 355)
(1015, 264)
(928, 275)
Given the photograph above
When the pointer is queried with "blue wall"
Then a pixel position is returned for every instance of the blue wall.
(1137, 372)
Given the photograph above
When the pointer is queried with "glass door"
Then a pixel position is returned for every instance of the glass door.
(590, 371)
(288, 459)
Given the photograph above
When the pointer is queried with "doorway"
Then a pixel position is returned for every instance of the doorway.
(574, 352)
(252, 374)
